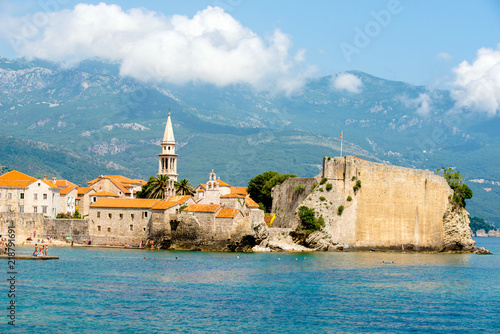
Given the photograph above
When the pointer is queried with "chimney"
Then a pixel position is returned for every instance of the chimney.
(54, 180)
(45, 177)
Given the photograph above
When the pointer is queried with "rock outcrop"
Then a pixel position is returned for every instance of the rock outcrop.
(373, 206)
(457, 233)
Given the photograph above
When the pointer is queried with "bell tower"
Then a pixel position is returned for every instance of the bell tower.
(167, 159)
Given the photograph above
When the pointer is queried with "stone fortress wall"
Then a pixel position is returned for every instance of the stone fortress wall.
(395, 207)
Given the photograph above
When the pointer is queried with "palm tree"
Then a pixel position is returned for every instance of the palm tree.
(183, 188)
(155, 188)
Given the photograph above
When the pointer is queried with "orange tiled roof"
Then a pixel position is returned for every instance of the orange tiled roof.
(201, 190)
(16, 176)
(239, 190)
(251, 203)
(203, 208)
(168, 203)
(66, 190)
(14, 183)
(223, 184)
(202, 185)
(105, 194)
(64, 184)
(227, 213)
(135, 203)
(84, 190)
(50, 184)
(233, 195)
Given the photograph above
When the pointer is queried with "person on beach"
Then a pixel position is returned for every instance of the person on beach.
(71, 243)
(46, 249)
(35, 253)
(140, 244)
(152, 244)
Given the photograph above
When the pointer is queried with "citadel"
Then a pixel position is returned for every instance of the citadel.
(364, 205)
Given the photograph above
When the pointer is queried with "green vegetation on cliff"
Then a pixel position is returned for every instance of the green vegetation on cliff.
(259, 188)
(461, 191)
(309, 222)
(477, 224)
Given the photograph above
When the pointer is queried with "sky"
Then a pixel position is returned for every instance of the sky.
(438, 44)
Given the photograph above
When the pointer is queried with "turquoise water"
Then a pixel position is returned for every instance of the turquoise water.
(117, 290)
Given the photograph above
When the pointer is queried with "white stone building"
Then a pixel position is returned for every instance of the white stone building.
(22, 193)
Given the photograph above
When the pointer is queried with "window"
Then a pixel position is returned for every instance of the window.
(109, 229)
(35, 209)
(44, 209)
(39, 184)
(144, 215)
(98, 214)
(9, 196)
(144, 229)
(35, 196)
(121, 215)
(21, 208)
(110, 215)
(94, 199)
(44, 196)
(132, 215)
(21, 195)
(131, 227)
(98, 228)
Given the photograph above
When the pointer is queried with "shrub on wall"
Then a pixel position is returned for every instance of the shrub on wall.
(308, 220)
(323, 180)
(340, 210)
(329, 187)
(349, 198)
(322, 199)
(300, 189)
(357, 186)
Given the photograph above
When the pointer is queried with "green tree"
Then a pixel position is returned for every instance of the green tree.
(309, 222)
(154, 188)
(259, 188)
(183, 188)
(461, 191)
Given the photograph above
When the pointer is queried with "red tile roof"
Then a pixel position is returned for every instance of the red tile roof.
(239, 190)
(233, 195)
(105, 194)
(16, 176)
(133, 203)
(203, 208)
(251, 203)
(66, 190)
(227, 213)
(84, 190)
(168, 203)
(14, 183)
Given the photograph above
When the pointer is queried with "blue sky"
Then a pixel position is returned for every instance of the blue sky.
(420, 43)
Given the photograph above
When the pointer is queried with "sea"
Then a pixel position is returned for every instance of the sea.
(101, 290)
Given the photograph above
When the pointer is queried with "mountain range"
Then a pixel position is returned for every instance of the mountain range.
(81, 122)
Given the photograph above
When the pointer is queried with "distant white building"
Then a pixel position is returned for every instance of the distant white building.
(22, 193)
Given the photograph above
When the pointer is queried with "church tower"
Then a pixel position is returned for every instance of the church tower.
(168, 159)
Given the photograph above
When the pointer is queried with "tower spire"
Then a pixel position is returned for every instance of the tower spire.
(167, 159)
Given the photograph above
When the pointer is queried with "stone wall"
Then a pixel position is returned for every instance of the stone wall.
(395, 208)
(59, 229)
(119, 226)
(287, 197)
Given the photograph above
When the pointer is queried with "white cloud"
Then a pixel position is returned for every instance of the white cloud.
(444, 56)
(479, 83)
(211, 47)
(348, 82)
(423, 103)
